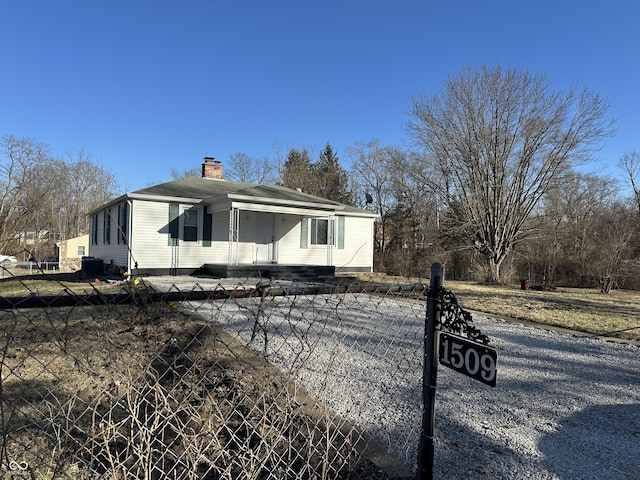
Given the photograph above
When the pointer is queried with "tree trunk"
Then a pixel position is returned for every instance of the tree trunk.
(495, 263)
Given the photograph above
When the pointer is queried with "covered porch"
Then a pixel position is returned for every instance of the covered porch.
(267, 235)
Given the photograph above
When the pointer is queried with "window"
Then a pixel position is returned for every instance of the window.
(94, 229)
(122, 224)
(81, 250)
(190, 226)
(322, 231)
(106, 237)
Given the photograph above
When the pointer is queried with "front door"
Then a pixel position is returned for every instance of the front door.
(264, 237)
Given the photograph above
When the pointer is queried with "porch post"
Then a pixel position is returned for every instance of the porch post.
(331, 236)
(234, 227)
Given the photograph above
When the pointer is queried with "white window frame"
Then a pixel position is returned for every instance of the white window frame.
(185, 213)
(331, 232)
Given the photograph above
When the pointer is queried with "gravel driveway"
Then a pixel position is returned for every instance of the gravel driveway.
(565, 406)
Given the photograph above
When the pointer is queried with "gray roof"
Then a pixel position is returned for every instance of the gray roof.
(193, 187)
(197, 187)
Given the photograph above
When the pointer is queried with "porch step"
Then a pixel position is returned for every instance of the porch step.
(281, 272)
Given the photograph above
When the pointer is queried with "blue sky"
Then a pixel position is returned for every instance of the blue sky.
(145, 86)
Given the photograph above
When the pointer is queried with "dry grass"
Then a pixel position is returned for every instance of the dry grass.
(55, 284)
(123, 392)
(586, 310)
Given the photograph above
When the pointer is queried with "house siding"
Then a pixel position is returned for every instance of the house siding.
(246, 243)
(152, 250)
(357, 251)
(219, 251)
(150, 247)
(105, 248)
(289, 249)
(358, 245)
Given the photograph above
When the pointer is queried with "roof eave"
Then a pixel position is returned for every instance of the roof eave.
(143, 196)
(234, 197)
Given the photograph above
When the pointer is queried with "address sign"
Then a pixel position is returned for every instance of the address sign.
(470, 358)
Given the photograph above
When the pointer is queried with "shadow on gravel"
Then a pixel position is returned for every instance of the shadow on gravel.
(602, 440)
(464, 453)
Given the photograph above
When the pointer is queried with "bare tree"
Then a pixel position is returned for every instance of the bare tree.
(21, 163)
(187, 172)
(630, 162)
(565, 237)
(86, 185)
(614, 256)
(500, 138)
(45, 197)
(374, 169)
(243, 168)
(277, 159)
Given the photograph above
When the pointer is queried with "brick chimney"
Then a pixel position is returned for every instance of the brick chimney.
(212, 168)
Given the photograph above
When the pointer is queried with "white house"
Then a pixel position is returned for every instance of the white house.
(208, 224)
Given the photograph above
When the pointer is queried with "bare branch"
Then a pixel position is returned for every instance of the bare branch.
(499, 138)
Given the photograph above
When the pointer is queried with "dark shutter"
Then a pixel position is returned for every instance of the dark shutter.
(207, 228)
(174, 224)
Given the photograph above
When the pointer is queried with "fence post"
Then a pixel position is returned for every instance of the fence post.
(429, 374)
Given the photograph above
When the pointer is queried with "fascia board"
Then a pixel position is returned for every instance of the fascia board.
(288, 203)
(142, 196)
(115, 201)
(256, 207)
(360, 214)
(163, 198)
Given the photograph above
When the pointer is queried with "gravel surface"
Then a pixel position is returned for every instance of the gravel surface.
(565, 406)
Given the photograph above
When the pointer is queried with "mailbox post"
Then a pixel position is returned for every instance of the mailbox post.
(450, 338)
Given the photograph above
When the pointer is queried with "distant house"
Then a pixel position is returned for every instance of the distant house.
(208, 224)
(71, 251)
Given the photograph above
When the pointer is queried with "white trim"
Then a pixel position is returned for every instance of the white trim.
(234, 234)
(277, 201)
(199, 225)
(143, 196)
(163, 198)
(281, 209)
(332, 234)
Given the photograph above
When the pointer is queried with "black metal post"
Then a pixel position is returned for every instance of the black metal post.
(429, 374)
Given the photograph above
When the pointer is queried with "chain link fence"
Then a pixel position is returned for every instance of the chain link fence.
(194, 378)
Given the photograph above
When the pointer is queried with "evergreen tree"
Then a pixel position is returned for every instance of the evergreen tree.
(298, 172)
(331, 179)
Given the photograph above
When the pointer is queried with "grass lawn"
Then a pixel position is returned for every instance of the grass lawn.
(586, 310)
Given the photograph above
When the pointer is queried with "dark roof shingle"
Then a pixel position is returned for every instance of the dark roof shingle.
(202, 188)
